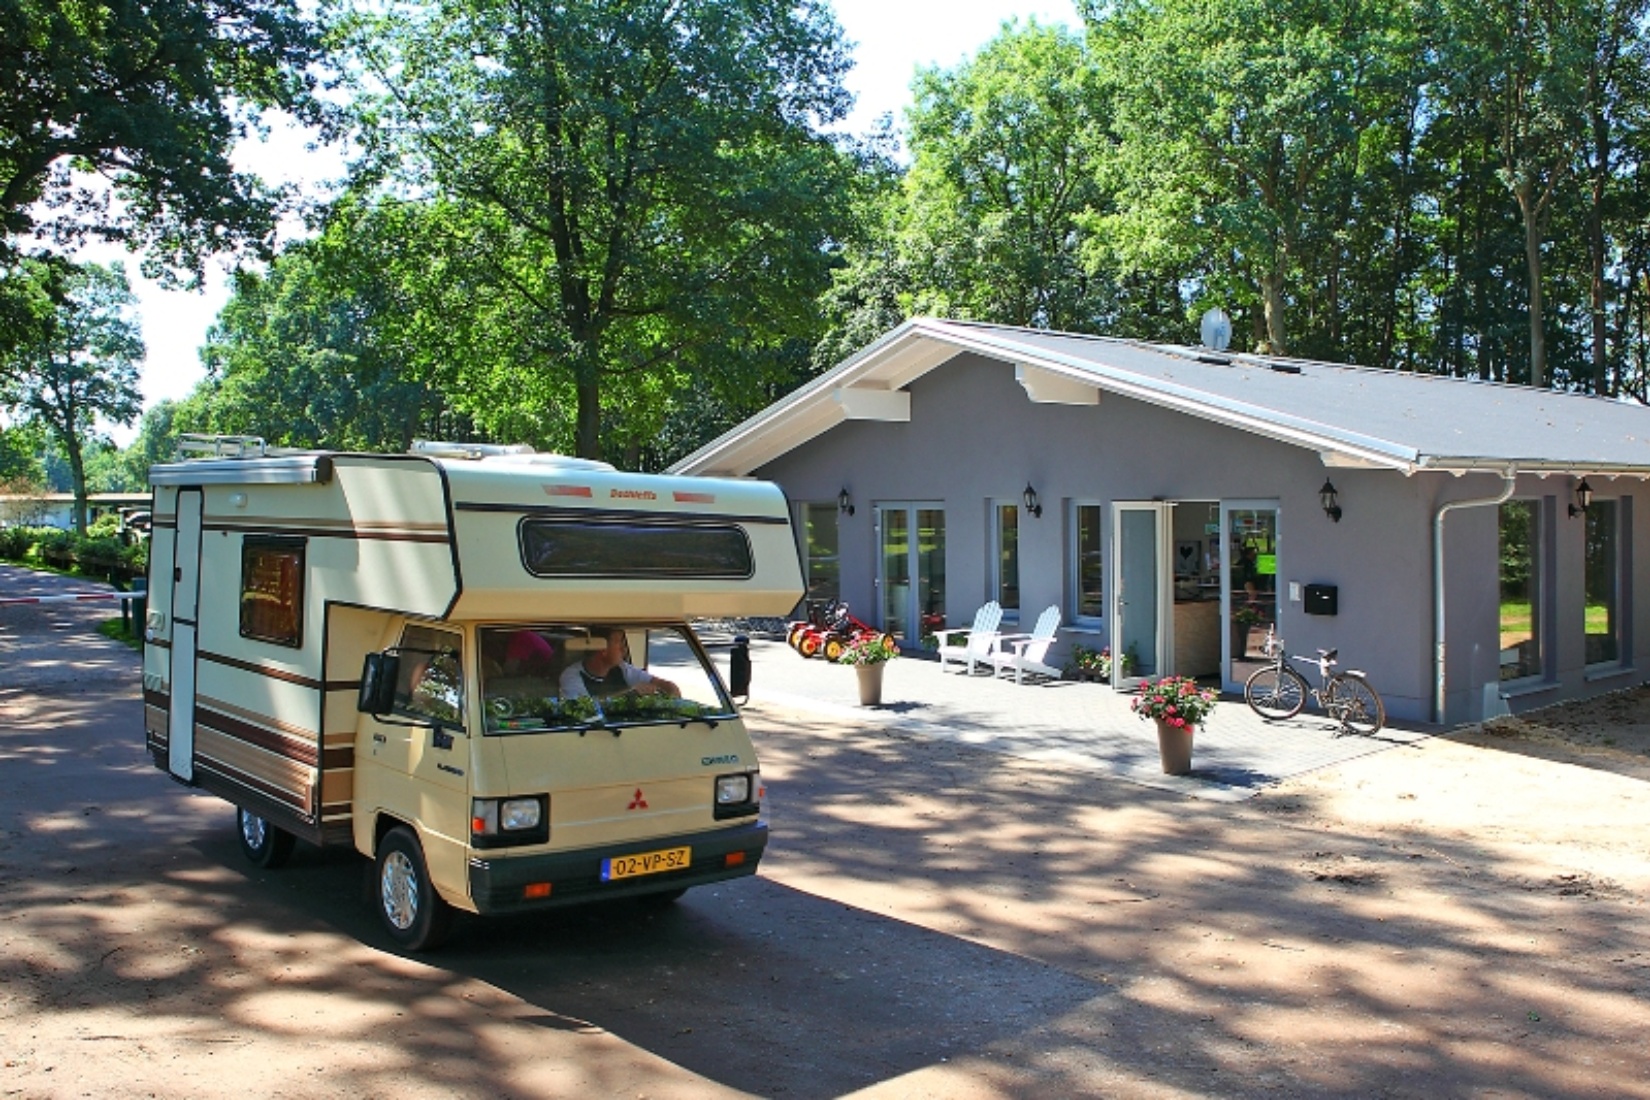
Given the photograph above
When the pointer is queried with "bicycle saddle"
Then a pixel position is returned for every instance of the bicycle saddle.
(1327, 654)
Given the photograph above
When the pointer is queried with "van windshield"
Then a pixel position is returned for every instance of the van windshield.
(569, 676)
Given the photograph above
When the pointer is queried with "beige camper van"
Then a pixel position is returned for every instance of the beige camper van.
(471, 663)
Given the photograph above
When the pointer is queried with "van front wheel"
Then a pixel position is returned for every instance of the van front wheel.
(413, 913)
(263, 844)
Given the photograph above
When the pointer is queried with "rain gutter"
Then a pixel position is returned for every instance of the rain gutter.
(1510, 476)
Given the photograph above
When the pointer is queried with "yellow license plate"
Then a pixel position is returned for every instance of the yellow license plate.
(646, 863)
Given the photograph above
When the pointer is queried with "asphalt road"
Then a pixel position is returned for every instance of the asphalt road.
(930, 920)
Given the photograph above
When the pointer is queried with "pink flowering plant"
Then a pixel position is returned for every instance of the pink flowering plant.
(1176, 700)
(873, 649)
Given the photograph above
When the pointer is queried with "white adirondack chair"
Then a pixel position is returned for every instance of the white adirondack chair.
(1028, 652)
(980, 642)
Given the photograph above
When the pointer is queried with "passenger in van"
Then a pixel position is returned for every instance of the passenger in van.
(605, 672)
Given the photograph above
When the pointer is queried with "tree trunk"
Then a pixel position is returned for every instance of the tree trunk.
(588, 431)
(1532, 258)
(1271, 289)
(77, 473)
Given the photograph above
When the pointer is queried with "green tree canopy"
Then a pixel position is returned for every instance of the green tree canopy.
(85, 368)
(151, 95)
(634, 194)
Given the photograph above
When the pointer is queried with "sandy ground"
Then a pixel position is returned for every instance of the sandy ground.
(1463, 917)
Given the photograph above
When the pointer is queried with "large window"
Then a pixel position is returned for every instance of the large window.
(272, 590)
(1521, 594)
(582, 548)
(820, 553)
(1005, 540)
(1084, 566)
(1602, 587)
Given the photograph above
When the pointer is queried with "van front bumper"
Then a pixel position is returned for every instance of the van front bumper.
(498, 883)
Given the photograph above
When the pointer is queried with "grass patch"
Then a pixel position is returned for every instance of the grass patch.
(114, 628)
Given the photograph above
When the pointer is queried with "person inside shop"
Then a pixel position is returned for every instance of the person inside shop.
(1246, 572)
(605, 672)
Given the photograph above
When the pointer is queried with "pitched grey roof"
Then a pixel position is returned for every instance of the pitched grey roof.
(1352, 415)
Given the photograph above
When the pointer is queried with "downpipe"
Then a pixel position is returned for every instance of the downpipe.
(1510, 477)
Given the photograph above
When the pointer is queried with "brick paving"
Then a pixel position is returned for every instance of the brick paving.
(1080, 725)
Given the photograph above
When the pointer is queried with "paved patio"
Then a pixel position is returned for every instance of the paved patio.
(1081, 725)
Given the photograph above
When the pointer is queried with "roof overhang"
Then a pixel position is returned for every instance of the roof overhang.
(870, 385)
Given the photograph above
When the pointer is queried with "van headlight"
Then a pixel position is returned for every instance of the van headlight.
(497, 822)
(736, 795)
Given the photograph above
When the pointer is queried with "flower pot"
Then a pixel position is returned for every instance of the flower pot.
(1174, 746)
(870, 684)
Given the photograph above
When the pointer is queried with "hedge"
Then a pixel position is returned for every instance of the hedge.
(95, 556)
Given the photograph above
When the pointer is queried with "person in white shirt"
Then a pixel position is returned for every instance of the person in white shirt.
(605, 672)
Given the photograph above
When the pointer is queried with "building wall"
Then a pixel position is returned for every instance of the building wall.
(974, 436)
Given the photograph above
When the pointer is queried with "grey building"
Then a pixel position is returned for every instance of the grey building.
(1468, 545)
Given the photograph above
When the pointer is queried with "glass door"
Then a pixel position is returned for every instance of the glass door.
(911, 568)
(1142, 592)
(1250, 585)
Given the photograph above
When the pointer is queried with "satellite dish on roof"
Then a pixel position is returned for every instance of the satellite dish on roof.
(1216, 329)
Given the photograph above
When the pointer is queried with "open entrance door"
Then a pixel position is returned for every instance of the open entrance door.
(186, 587)
(1142, 592)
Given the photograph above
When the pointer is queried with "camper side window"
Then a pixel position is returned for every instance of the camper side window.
(272, 590)
(431, 681)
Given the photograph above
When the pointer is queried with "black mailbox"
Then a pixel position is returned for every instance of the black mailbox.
(1322, 599)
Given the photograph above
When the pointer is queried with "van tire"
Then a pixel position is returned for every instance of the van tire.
(413, 913)
(265, 845)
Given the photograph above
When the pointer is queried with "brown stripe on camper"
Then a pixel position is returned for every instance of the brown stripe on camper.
(316, 527)
(298, 799)
(298, 747)
(286, 676)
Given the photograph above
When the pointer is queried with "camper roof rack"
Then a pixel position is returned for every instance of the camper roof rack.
(440, 448)
(222, 446)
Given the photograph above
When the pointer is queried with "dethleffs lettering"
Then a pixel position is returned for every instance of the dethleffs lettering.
(633, 494)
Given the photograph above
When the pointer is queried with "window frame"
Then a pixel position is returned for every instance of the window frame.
(1540, 599)
(994, 554)
(804, 546)
(299, 547)
(1074, 565)
(1620, 583)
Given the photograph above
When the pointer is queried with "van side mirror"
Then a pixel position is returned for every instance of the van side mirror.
(739, 667)
(379, 673)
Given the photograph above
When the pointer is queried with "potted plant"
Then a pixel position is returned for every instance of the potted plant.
(1177, 705)
(868, 655)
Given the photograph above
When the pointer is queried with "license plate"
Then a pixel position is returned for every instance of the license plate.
(646, 863)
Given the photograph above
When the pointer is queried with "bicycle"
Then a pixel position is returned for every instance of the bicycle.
(1277, 691)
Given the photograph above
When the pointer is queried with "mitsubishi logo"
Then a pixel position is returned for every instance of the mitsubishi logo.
(637, 803)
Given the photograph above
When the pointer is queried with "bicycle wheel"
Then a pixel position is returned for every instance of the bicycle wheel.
(1357, 706)
(1274, 692)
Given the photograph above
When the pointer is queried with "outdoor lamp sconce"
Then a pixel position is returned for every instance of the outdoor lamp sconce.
(1032, 504)
(1326, 497)
(844, 502)
(1584, 497)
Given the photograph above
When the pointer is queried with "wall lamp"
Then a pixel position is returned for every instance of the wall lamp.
(844, 502)
(1584, 497)
(1033, 505)
(1326, 497)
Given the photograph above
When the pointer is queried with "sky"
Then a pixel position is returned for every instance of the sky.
(891, 39)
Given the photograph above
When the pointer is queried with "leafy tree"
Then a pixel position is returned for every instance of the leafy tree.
(296, 358)
(151, 95)
(84, 368)
(999, 174)
(1230, 118)
(634, 192)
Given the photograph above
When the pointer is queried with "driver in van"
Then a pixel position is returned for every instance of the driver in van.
(605, 672)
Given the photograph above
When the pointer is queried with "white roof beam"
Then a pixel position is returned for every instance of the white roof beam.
(859, 403)
(1045, 387)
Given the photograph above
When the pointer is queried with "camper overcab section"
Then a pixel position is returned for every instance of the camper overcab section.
(472, 664)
